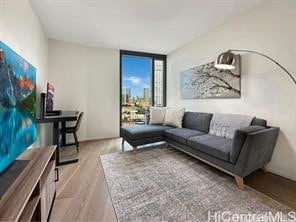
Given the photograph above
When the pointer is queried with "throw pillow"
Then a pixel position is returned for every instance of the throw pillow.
(225, 125)
(157, 115)
(174, 117)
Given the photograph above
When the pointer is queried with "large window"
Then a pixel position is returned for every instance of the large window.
(143, 84)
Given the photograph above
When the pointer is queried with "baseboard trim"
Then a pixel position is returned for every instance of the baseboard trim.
(98, 138)
(279, 173)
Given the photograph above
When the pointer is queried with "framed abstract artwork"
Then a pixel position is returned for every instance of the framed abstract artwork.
(205, 81)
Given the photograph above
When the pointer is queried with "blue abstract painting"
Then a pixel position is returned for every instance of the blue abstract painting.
(17, 105)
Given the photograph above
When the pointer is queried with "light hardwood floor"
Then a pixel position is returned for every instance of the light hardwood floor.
(82, 193)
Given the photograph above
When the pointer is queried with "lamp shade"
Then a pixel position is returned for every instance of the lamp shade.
(225, 60)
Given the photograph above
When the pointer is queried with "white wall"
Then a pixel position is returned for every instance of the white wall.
(266, 91)
(87, 79)
(21, 31)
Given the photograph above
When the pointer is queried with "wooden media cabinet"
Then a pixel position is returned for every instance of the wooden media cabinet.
(31, 195)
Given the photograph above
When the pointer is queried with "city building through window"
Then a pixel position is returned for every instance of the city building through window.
(143, 84)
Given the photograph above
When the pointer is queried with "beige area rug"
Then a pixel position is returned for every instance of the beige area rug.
(162, 184)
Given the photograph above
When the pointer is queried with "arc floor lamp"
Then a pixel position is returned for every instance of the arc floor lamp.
(226, 60)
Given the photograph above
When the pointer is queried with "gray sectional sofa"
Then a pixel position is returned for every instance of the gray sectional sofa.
(250, 149)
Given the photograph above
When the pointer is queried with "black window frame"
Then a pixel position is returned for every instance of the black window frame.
(154, 57)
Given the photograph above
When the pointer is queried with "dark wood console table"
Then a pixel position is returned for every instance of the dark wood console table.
(32, 194)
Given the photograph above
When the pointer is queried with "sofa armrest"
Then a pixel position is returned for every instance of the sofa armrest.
(256, 151)
(240, 136)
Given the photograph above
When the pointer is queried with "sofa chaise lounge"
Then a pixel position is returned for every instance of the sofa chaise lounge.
(250, 149)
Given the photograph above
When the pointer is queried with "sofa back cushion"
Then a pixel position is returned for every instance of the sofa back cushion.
(197, 121)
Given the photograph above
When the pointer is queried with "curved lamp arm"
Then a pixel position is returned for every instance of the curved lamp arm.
(250, 51)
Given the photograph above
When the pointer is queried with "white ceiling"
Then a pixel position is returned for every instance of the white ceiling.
(158, 26)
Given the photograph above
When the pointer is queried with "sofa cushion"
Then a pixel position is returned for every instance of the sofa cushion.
(215, 146)
(197, 121)
(181, 134)
(137, 132)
